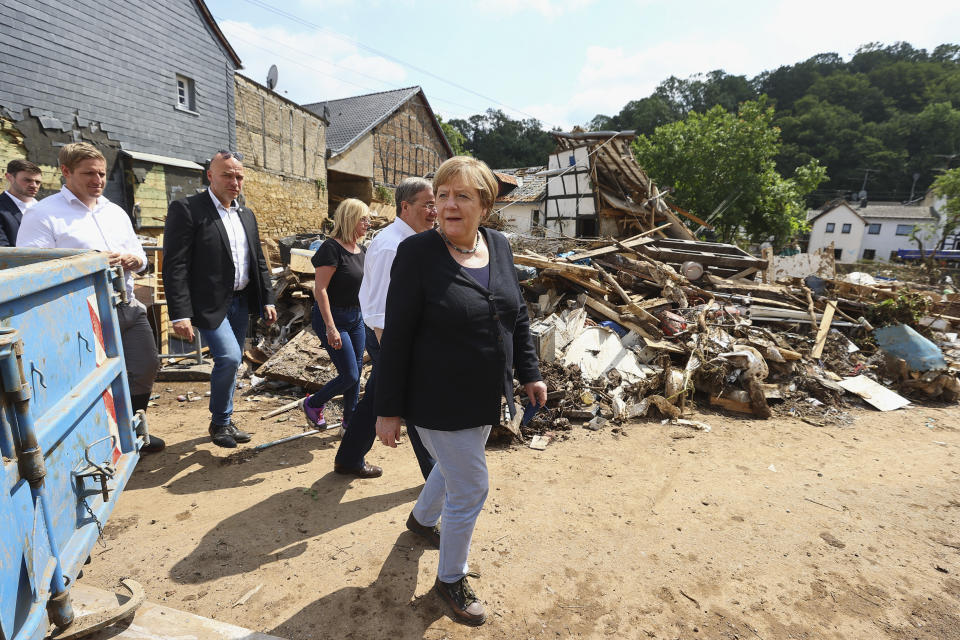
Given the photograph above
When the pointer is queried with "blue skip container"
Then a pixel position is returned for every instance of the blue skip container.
(67, 435)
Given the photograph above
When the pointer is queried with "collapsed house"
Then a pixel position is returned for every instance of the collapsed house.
(596, 188)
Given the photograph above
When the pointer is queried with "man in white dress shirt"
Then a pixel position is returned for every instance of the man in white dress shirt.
(215, 276)
(80, 217)
(416, 212)
(24, 182)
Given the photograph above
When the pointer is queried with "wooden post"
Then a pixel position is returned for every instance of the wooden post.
(824, 329)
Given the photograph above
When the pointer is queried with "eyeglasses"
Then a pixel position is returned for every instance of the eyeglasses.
(365, 221)
(430, 207)
(226, 155)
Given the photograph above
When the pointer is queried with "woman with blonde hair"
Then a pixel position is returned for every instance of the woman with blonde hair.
(456, 331)
(336, 314)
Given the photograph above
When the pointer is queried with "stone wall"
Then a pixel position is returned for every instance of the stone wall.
(284, 148)
(407, 144)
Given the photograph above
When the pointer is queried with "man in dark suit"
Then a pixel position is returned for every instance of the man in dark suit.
(24, 178)
(214, 275)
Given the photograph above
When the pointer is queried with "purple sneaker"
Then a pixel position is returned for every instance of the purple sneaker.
(314, 415)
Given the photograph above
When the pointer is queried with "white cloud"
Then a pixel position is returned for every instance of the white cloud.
(783, 33)
(800, 30)
(313, 65)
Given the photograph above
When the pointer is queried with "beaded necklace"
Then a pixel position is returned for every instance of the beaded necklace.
(476, 245)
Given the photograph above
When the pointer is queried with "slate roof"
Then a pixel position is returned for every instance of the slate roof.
(881, 211)
(533, 188)
(351, 118)
(897, 210)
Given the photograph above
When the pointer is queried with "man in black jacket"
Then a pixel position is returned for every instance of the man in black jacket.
(24, 178)
(214, 275)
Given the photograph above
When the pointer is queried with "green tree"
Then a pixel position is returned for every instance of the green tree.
(725, 163)
(503, 142)
(946, 186)
(456, 139)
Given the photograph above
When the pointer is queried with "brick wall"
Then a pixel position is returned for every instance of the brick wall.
(284, 148)
(407, 144)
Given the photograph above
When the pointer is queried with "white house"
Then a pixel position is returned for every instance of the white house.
(522, 207)
(871, 231)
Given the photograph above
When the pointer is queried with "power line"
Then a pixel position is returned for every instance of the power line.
(295, 18)
(334, 64)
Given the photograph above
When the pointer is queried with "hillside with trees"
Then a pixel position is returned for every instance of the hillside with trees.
(887, 114)
(887, 120)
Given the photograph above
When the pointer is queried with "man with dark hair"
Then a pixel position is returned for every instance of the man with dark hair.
(416, 212)
(214, 275)
(21, 194)
(80, 217)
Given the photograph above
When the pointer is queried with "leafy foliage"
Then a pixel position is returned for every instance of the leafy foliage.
(907, 308)
(456, 139)
(722, 162)
(892, 109)
(503, 142)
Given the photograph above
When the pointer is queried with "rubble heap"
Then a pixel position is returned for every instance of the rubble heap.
(643, 324)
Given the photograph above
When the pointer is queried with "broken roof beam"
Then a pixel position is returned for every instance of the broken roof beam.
(703, 257)
(635, 241)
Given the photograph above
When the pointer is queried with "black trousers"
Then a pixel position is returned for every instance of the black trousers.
(362, 430)
(139, 349)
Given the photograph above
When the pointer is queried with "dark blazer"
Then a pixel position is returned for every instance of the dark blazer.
(450, 346)
(198, 267)
(10, 217)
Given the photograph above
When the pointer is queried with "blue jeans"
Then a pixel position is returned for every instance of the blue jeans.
(226, 347)
(360, 436)
(456, 490)
(348, 359)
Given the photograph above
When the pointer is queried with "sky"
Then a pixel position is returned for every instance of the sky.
(559, 61)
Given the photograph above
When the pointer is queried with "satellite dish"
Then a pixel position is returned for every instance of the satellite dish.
(272, 77)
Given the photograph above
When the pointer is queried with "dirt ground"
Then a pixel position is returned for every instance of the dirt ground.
(758, 529)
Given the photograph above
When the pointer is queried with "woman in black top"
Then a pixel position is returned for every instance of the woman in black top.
(336, 307)
(456, 330)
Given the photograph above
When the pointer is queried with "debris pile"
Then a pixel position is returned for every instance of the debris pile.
(645, 324)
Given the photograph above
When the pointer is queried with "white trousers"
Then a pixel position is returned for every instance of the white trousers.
(456, 490)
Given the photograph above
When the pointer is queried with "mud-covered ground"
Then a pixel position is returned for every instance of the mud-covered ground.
(757, 529)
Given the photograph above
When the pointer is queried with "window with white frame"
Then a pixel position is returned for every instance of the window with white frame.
(186, 93)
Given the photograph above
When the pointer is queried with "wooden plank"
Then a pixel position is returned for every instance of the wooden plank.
(587, 284)
(266, 257)
(546, 263)
(703, 257)
(636, 241)
(300, 261)
(690, 216)
(746, 273)
(821, 340)
(611, 314)
(634, 308)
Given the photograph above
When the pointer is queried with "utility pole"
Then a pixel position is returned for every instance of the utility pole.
(866, 175)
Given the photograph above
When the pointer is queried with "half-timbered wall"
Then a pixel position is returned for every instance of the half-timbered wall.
(406, 144)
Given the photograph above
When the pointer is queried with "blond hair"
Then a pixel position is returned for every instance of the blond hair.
(347, 217)
(472, 171)
(76, 152)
